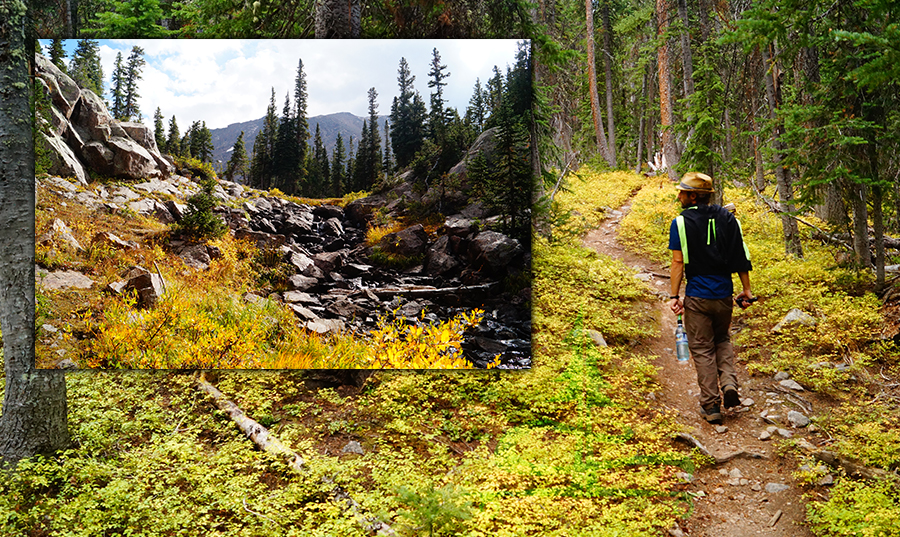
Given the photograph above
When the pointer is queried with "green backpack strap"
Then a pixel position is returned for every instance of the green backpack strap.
(682, 236)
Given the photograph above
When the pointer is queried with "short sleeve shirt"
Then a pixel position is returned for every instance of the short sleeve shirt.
(711, 286)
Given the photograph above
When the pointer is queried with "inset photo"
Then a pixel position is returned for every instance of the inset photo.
(283, 204)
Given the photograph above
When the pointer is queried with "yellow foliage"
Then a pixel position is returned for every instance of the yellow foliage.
(374, 234)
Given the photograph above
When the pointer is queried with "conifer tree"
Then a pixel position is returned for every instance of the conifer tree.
(387, 162)
(436, 117)
(58, 54)
(263, 149)
(173, 143)
(476, 111)
(373, 149)
(300, 119)
(129, 19)
(360, 171)
(201, 142)
(338, 174)
(351, 165)
(159, 130)
(85, 68)
(237, 164)
(286, 162)
(133, 68)
(118, 89)
(407, 118)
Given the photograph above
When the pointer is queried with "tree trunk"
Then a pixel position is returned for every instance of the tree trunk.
(782, 173)
(860, 226)
(878, 223)
(607, 57)
(642, 122)
(666, 113)
(592, 82)
(338, 19)
(687, 58)
(34, 403)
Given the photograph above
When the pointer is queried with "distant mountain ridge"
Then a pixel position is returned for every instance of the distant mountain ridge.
(330, 125)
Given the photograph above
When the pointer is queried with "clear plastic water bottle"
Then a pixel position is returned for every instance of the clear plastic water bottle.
(681, 343)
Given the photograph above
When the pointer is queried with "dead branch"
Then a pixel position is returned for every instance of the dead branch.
(743, 454)
(265, 441)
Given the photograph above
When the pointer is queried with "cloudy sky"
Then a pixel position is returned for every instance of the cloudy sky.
(230, 81)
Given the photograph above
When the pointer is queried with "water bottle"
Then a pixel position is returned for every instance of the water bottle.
(681, 343)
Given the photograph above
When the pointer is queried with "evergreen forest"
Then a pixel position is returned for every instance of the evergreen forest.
(792, 107)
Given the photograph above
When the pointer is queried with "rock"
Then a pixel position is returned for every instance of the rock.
(440, 260)
(596, 337)
(195, 256)
(303, 313)
(458, 225)
(299, 282)
(344, 309)
(261, 239)
(791, 385)
(747, 402)
(773, 488)
(353, 447)
(64, 92)
(736, 472)
(252, 298)
(784, 433)
(676, 532)
(300, 261)
(794, 317)
(148, 287)
(66, 364)
(494, 249)
(293, 297)
(108, 239)
(721, 429)
(60, 233)
(408, 242)
(765, 435)
(360, 211)
(797, 419)
(325, 326)
(781, 375)
(332, 228)
(328, 211)
(826, 480)
(68, 279)
(328, 262)
(63, 160)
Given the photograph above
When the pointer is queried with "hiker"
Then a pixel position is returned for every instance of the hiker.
(707, 248)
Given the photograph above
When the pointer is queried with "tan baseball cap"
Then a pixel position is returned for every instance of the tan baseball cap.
(695, 182)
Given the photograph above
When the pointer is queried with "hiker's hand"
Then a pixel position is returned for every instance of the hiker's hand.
(744, 299)
(676, 305)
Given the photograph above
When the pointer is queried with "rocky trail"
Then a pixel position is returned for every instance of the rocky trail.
(750, 489)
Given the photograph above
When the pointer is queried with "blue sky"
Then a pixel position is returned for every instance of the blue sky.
(230, 81)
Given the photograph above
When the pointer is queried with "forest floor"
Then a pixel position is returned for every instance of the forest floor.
(731, 497)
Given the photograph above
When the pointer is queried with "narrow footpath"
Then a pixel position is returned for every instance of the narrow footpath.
(750, 490)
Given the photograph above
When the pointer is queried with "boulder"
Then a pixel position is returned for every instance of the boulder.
(299, 282)
(794, 317)
(148, 288)
(63, 161)
(458, 225)
(261, 239)
(300, 261)
(332, 228)
(112, 241)
(494, 249)
(64, 92)
(360, 211)
(60, 233)
(94, 120)
(176, 210)
(328, 211)
(325, 326)
(440, 260)
(408, 242)
(67, 279)
(328, 262)
(196, 256)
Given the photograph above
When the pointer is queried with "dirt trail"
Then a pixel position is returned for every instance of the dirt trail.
(734, 500)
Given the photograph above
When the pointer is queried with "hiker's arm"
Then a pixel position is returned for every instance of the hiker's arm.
(745, 285)
(676, 272)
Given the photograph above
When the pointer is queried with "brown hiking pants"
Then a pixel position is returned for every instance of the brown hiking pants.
(708, 326)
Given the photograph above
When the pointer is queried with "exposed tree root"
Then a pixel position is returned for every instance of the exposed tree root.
(265, 441)
(743, 454)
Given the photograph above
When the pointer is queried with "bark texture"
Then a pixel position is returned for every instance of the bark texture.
(666, 112)
(34, 402)
(592, 81)
(338, 19)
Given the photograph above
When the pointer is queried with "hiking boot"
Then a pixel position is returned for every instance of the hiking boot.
(732, 399)
(711, 414)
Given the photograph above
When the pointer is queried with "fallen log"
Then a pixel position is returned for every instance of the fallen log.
(430, 292)
(720, 459)
(265, 441)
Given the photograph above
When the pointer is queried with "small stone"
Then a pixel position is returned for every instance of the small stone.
(353, 447)
(735, 473)
(781, 375)
(765, 435)
(797, 419)
(745, 482)
(66, 364)
(785, 433)
(676, 532)
(723, 471)
(733, 482)
(49, 328)
(721, 429)
(747, 402)
(773, 488)
(686, 477)
(826, 480)
(791, 385)
(755, 487)
(719, 490)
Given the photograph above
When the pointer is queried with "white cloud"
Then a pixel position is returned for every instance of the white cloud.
(230, 81)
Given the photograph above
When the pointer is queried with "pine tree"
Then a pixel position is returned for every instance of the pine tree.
(201, 143)
(133, 70)
(360, 172)
(286, 163)
(118, 89)
(407, 118)
(477, 111)
(302, 124)
(58, 54)
(373, 150)
(85, 68)
(159, 129)
(237, 164)
(173, 143)
(264, 148)
(338, 174)
(129, 19)
(436, 117)
(387, 162)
